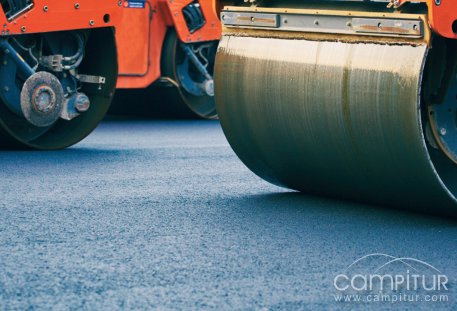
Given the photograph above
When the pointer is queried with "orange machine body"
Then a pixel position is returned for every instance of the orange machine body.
(58, 15)
(142, 32)
(443, 17)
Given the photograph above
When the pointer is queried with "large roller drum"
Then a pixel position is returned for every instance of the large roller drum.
(55, 87)
(363, 115)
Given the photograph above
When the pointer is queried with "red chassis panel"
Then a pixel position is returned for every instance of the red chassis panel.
(59, 15)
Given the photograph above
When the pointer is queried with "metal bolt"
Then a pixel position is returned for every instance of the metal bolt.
(82, 103)
(23, 29)
(437, 2)
(349, 24)
(44, 99)
(45, 8)
(252, 19)
(92, 22)
(443, 131)
(119, 3)
(76, 5)
(415, 27)
(316, 22)
(285, 21)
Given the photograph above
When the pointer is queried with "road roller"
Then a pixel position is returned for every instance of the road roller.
(166, 52)
(58, 69)
(353, 100)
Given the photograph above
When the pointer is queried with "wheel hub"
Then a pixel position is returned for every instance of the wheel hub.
(44, 99)
(41, 99)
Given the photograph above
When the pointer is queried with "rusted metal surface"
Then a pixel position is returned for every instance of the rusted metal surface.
(42, 98)
(333, 118)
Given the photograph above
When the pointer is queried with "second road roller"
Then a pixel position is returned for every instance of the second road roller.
(166, 54)
(349, 99)
(58, 69)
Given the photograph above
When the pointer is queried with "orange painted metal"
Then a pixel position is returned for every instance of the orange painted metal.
(59, 15)
(443, 17)
(139, 63)
(210, 31)
(140, 45)
(133, 39)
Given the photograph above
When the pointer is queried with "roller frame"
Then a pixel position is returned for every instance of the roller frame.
(271, 137)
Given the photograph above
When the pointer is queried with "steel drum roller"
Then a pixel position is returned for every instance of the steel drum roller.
(331, 118)
(42, 130)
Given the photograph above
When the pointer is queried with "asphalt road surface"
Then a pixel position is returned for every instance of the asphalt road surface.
(162, 215)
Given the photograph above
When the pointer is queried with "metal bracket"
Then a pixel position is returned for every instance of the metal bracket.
(91, 79)
(52, 62)
(323, 23)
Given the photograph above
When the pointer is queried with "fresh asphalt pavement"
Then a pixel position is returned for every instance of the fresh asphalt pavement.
(148, 214)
